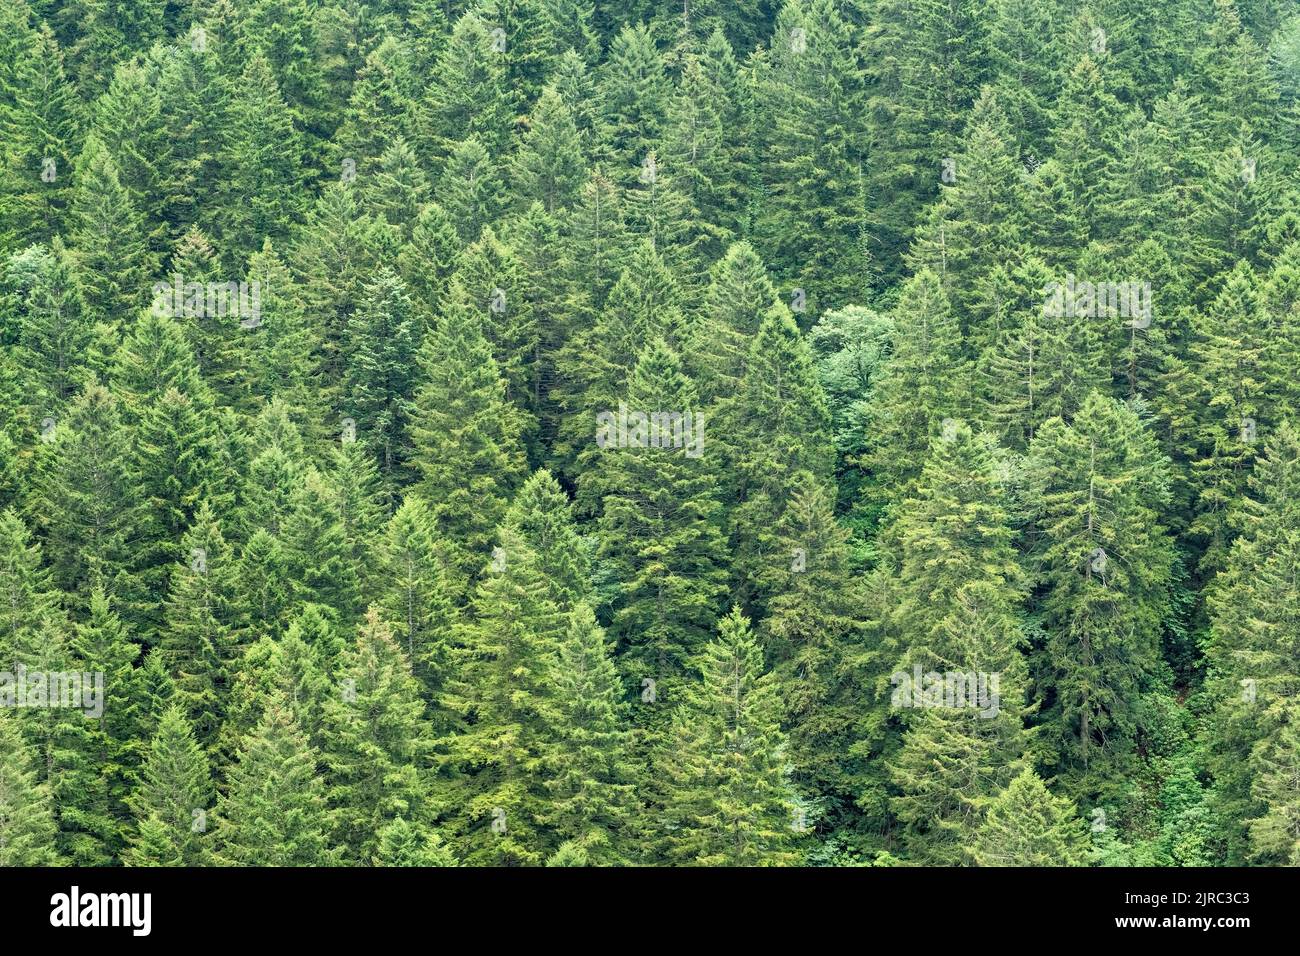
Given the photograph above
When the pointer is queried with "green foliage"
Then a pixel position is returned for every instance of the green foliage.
(967, 331)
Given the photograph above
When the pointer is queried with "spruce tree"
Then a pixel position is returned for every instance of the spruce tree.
(415, 595)
(1102, 563)
(170, 804)
(1026, 825)
(549, 165)
(202, 635)
(382, 341)
(88, 507)
(469, 94)
(273, 812)
(659, 528)
(26, 810)
(727, 802)
(593, 799)
(376, 742)
(263, 160)
(506, 696)
(405, 844)
(466, 435)
(109, 237)
(39, 123)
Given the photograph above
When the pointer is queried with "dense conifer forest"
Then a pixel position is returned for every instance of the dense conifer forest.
(716, 432)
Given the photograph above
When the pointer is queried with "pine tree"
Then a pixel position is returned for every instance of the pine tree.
(737, 299)
(262, 589)
(336, 250)
(277, 350)
(657, 213)
(924, 66)
(524, 40)
(194, 89)
(283, 32)
(599, 238)
(972, 228)
(1230, 353)
(356, 495)
(555, 309)
(570, 27)
(275, 474)
(489, 283)
(104, 31)
(155, 356)
(702, 144)
(809, 634)
(178, 467)
(293, 667)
